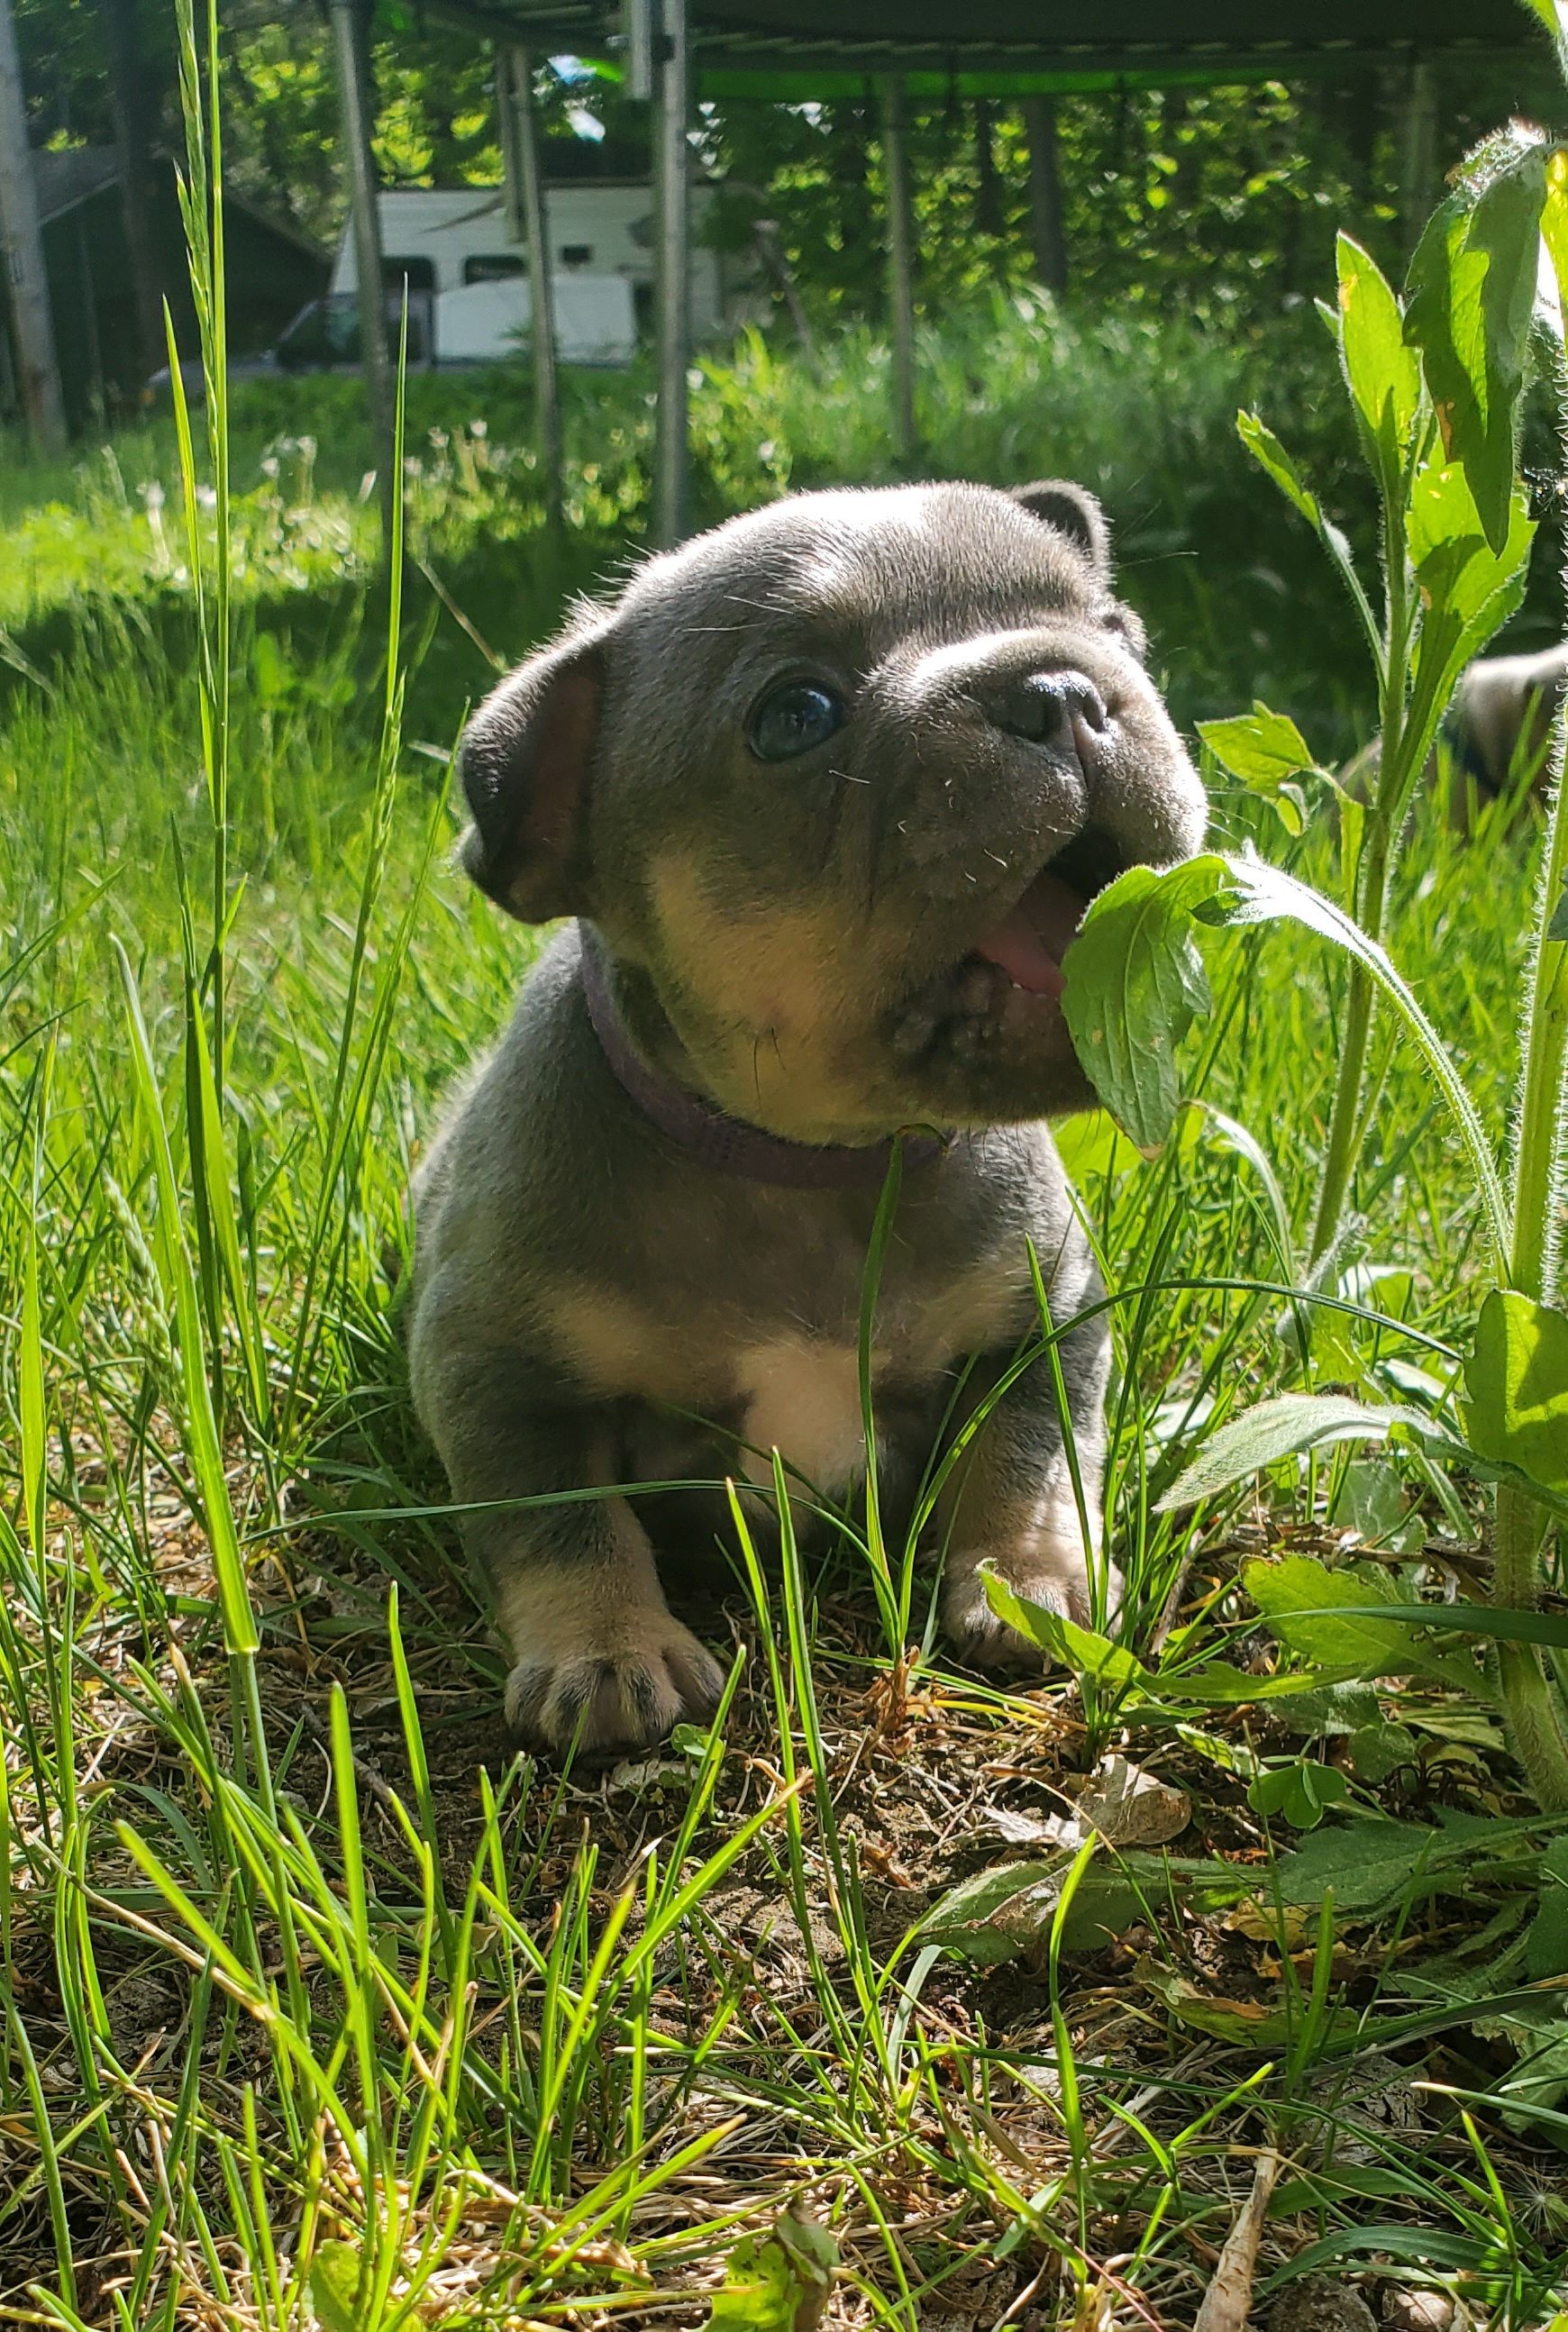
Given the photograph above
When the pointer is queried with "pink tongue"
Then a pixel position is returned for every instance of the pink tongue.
(1031, 941)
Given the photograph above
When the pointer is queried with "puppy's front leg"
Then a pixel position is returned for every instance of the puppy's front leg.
(597, 1657)
(1011, 1502)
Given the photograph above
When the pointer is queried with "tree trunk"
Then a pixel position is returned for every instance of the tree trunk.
(1045, 193)
(22, 256)
(989, 216)
(129, 85)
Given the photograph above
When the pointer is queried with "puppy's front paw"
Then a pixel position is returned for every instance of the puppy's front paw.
(1052, 1571)
(613, 1690)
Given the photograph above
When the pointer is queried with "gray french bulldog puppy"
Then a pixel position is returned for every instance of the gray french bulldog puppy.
(826, 792)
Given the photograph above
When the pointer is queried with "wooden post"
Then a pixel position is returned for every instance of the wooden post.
(525, 201)
(354, 100)
(1048, 233)
(672, 192)
(22, 253)
(900, 263)
(1419, 150)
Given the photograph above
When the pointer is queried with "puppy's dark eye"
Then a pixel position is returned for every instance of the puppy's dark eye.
(793, 719)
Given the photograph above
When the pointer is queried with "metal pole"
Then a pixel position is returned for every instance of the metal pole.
(1418, 157)
(900, 263)
(22, 254)
(529, 200)
(672, 187)
(1046, 192)
(355, 102)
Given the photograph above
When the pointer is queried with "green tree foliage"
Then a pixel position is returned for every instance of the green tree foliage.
(1223, 198)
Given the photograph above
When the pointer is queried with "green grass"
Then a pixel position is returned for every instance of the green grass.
(314, 1998)
(1010, 389)
(297, 1965)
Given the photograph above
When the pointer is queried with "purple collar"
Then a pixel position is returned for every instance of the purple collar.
(728, 1143)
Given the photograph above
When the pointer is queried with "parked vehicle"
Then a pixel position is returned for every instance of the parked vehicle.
(452, 252)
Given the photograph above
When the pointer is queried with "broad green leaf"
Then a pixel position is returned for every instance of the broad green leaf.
(1468, 590)
(1300, 1599)
(1518, 1382)
(1378, 1750)
(1552, 14)
(1135, 985)
(1284, 1427)
(1472, 296)
(1458, 569)
(1335, 1710)
(1546, 1944)
(1261, 747)
(1009, 1913)
(1381, 371)
(1371, 1866)
(335, 2273)
(1305, 1606)
(781, 2283)
(1554, 215)
(1300, 1794)
(1077, 1648)
(1093, 1144)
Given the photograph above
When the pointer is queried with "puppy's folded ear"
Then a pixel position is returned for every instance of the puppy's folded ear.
(1072, 512)
(525, 762)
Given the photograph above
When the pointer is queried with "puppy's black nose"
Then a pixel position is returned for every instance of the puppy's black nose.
(1051, 709)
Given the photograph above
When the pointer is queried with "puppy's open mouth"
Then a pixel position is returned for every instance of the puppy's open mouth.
(1030, 942)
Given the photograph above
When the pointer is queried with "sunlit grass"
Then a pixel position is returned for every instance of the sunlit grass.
(318, 2004)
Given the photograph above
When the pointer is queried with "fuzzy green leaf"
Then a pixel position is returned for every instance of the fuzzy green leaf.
(1271, 456)
(335, 2287)
(1371, 1867)
(1518, 1381)
(781, 2283)
(1284, 1427)
(1135, 985)
(1472, 287)
(1546, 1944)
(1261, 748)
(1305, 1606)
(1381, 371)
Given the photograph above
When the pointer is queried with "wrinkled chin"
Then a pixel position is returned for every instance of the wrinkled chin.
(978, 1046)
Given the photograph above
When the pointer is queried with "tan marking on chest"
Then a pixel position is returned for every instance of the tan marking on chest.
(618, 1350)
(803, 1398)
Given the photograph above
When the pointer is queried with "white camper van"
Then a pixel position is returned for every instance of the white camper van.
(467, 277)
